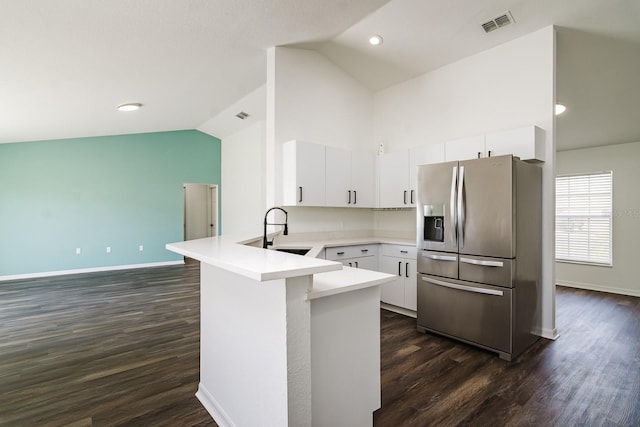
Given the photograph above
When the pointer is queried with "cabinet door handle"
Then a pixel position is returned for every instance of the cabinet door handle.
(404, 198)
(350, 265)
(489, 152)
(355, 197)
(399, 267)
(300, 200)
(364, 250)
(340, 253)
(356, 264)
(404, 252)
(478, 154)
(406, 269)
(349, 202)
(411, 198)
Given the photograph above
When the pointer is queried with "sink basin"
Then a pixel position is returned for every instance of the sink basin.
(296, 251)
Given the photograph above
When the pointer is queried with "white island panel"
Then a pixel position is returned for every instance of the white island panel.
(255, 350)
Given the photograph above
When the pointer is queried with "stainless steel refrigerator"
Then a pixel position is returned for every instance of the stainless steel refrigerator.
(479, 252)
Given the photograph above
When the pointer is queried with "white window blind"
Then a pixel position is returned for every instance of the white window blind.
(584, 218)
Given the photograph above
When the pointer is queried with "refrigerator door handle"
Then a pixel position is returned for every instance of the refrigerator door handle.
(440, 257)
(452, 206)
(464, 288)
(461, 208)
(482, 263)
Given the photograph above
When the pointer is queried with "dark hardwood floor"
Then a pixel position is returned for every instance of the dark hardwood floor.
(590, 376)
(121, 349)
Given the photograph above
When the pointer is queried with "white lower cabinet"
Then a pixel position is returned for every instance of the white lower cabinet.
(357, 256)
(400, 261)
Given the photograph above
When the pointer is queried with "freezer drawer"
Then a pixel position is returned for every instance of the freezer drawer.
(475, 313)
(443, 264)
(492, 271)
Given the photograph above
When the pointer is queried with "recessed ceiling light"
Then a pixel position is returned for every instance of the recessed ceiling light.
(132, 106)
(375, 40)
(560, 109)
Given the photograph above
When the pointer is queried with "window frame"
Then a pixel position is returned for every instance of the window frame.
(610, 217)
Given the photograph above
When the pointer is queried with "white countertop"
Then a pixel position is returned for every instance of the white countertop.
(329, 277)
(346, 280)
(256, 263)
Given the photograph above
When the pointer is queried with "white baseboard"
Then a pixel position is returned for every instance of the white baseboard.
(88, 270)
(599, 288)
(215, 410)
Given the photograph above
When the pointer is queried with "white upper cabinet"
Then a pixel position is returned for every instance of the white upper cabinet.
(350, 178)
(465, 148)
(303, 174)
(397, 174)
(317, 175)
(338, 176)
(393, 178)
(526, 143)
(363, 180)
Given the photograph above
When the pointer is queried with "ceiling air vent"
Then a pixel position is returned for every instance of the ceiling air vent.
(498, 22)
(242, 115)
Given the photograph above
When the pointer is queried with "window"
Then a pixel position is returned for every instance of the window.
(584, 218)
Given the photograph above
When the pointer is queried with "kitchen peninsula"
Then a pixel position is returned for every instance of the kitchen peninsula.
(285, 339)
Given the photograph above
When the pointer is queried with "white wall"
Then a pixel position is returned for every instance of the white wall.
(509, 86)
(310, 99)
(623, 161)
(243, 187)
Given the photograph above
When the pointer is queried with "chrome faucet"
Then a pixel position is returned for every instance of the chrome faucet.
(265, 242)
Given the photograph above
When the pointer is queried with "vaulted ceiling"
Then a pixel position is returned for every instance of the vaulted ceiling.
(66, 65)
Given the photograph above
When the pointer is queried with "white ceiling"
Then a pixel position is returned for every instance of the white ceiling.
(65, 65)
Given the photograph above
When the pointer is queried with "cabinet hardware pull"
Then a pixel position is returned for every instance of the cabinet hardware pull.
(406, 269)
(478, 154)
(489, 153)
(356, 264)
(349, 202)
(404, 252)
(355, 197)
(411, 198)
(399, 267)
(350, 265)
(340, 253)
(404, 198)
(300, 201)
(364, 250)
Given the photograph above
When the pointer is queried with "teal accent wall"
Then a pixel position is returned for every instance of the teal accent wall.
(119, 191)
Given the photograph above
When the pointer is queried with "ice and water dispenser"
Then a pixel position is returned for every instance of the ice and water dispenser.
(433, 222)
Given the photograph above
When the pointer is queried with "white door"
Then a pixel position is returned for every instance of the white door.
(393, 292)
(363, 175)
(338, 177)
(212, 210)
(200, 210)
(394, 179)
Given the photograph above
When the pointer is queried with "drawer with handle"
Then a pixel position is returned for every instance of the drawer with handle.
(355, 251)
(401, 251)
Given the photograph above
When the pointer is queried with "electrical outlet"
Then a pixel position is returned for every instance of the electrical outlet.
(141, 248)
(78, 251)
(108, 249)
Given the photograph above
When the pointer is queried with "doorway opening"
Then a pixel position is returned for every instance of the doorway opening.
(200, 211)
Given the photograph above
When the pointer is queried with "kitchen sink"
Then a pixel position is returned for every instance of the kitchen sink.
(296, 251)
